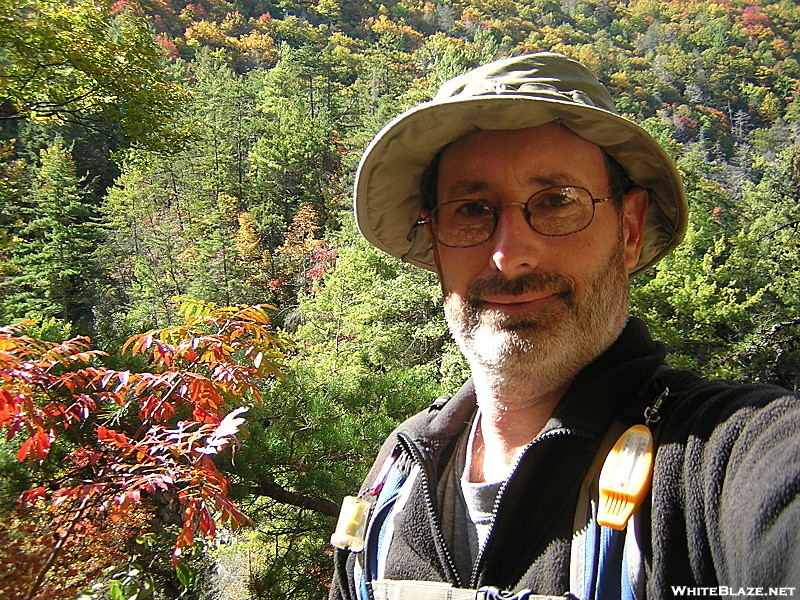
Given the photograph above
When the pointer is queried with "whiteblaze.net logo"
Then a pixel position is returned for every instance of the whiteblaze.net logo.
(733, 592)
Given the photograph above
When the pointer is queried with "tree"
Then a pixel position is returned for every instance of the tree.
(105, 446)
(302, 260)
(12, 185)
(374, 313)
(86, 62)
(716, 300)
(318, 433)
(56, 273)
(172, 218)
(295, 160)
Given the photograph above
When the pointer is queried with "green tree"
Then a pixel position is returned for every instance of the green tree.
(56, 273)
(376, 314)
(82, 62)
(172, 219)
(295, 160)
(309, 444)
(725, 301)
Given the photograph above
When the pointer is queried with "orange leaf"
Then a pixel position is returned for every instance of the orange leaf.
(207, 523)
(36, 447)
(24, 452)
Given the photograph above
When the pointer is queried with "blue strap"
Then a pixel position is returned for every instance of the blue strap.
(376, 529)
(610, 570)
(606, 574)
(627, 584)
(591, 556)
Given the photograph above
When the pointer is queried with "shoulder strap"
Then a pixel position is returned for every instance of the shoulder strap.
(380, 527)
(607, 564)
(592, 547)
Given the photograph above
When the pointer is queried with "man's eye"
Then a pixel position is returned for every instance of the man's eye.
(477, 208)
(555, 200)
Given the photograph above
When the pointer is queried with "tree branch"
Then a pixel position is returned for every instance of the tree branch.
(267, 487)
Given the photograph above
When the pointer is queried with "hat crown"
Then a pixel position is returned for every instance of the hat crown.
(542, 75)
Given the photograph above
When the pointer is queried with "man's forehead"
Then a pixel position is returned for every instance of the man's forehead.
(542, 156)
(548, 140)
(471, 184)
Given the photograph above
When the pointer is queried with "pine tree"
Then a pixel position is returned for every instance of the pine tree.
(56, 272)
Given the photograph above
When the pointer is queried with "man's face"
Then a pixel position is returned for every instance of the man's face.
(535, 309)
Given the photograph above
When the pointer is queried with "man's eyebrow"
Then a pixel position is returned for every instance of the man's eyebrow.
(466, 187)
(554, 179)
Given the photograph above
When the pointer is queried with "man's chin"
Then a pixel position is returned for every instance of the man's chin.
(523, 328)
(495, 345)
(526, 325)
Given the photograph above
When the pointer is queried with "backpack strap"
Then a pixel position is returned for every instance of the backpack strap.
(595, 548)
(392, 495)
(606, 564)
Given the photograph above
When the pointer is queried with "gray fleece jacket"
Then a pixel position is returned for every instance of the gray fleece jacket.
(724, 512)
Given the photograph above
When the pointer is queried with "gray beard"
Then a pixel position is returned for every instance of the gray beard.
(532, 355)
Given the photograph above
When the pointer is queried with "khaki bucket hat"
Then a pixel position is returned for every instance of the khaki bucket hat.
(513, 93)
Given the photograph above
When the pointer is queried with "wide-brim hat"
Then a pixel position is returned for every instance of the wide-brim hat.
(513, 93)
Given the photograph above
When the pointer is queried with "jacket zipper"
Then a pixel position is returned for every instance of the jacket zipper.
(501, 493)
(425, 479)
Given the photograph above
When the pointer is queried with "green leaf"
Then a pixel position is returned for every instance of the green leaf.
(186, 573)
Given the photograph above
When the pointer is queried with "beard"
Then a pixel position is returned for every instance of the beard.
(538, 352)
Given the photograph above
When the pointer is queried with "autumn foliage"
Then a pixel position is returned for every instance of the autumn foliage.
(121, 441)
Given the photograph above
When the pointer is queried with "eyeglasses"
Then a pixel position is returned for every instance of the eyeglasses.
(553, 211)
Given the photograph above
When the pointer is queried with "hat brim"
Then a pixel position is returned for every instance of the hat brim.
(387, 189)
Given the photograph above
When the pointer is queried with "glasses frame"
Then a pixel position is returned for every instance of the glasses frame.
(430, 220)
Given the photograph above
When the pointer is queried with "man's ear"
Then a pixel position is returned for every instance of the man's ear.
(634, 213)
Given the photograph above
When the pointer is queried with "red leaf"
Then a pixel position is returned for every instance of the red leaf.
(36, 447)
(28, 497)
(207, 523)
(6, 399)
(110, 436)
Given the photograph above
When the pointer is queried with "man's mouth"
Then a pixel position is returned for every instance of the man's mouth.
(520, 296)
(517, 304)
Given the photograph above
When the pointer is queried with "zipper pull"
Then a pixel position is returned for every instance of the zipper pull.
(652, 413)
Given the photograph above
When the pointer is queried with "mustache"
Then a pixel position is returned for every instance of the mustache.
(534, 282)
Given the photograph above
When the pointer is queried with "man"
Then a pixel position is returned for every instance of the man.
(535, 202)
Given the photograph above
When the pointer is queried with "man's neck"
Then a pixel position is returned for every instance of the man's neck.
(508, 423)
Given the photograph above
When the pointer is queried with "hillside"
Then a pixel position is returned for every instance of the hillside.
(206, 150)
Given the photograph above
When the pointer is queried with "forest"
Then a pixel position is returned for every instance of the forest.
(199, 354)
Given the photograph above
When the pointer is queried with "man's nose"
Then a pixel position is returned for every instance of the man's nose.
(516, 246)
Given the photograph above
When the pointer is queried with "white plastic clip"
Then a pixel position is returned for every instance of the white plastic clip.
(352, 523)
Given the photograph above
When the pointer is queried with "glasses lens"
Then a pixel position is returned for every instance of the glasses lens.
(560, 210)
(463, 223)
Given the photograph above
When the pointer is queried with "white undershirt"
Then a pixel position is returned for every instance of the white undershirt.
(479, 498)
